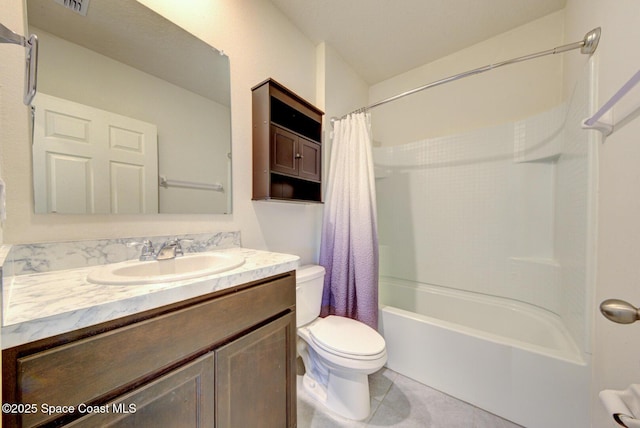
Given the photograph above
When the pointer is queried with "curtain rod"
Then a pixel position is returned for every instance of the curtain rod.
(587, 46)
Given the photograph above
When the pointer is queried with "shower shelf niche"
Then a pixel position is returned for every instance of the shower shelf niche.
(287, 146)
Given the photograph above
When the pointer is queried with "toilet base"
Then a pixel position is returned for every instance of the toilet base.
(345, 394)
(338, 381)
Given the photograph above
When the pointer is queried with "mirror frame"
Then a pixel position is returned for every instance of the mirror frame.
(165, 61)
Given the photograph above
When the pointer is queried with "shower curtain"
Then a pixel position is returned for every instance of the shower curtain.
(349, 241)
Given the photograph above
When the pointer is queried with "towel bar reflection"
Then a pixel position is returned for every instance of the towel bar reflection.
(164, 182)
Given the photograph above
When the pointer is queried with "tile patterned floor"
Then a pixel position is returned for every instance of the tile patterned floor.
(397, 401)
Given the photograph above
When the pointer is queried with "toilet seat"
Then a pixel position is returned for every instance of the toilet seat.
(347, 338)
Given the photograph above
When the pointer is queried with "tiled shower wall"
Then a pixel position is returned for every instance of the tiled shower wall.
(500, 211)
(575, 212)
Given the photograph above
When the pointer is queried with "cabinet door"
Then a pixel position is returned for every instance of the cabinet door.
(255, 378)
(309, 161)
(284, 151)
(181, 398)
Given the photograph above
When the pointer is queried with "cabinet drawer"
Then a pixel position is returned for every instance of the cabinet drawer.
(97, 367)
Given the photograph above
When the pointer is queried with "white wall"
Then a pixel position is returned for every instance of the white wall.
(341, 91)
(505, 94)
(616, 353)
(261, 43)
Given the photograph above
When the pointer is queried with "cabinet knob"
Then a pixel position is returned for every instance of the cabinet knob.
(298, 156)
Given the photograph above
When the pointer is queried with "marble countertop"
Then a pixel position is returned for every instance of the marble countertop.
(41, 305)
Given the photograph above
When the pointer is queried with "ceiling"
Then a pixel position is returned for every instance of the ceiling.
(383, 38)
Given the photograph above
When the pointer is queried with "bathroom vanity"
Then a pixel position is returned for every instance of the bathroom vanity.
(223, 358)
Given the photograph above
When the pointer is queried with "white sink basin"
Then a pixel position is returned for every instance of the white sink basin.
(183, 267)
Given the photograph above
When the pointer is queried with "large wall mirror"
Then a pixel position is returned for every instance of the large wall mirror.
(132, 113)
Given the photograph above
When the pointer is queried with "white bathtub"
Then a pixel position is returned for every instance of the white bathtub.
(509, 358)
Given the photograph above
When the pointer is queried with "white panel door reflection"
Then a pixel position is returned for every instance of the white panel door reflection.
(87, 160)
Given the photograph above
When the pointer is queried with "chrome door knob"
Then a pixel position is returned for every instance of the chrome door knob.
(619, 311)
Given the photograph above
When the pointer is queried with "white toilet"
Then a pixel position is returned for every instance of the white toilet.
(338, 353)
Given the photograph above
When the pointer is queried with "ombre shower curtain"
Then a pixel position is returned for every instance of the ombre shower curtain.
(349, 242)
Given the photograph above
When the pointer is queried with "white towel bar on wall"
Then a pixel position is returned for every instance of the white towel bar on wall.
(607, 126)
(164, 182)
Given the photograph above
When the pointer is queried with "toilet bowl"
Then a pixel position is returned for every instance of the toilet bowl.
(338, 353)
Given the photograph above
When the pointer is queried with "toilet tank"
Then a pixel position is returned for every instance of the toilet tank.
(309, 285)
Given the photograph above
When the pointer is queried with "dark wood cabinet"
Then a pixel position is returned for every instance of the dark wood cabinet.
(287, 146)
(210, 361)
(182, 398)
(294, 155)
(265, 358)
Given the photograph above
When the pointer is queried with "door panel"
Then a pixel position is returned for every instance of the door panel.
(65, 131)
(127, 188)
(70, 189)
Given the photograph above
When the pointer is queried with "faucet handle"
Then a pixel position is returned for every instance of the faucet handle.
(144, 243)
(178, 244)
(147, 252)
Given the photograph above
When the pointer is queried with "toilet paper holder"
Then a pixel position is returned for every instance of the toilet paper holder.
(623, 405)
(620, 418)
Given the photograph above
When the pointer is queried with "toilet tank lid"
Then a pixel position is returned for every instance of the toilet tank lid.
(309, 272)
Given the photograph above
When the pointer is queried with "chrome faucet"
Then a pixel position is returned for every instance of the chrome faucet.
(171, 249)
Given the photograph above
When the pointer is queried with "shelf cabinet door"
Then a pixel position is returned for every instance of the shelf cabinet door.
(294, 155)
(309, 161)
(182, 398)
(284, 151)
(255, 378)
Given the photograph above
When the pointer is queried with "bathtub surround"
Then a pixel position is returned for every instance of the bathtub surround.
(349, 245)
(473, 211)
(501, 211)
(504, 211)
